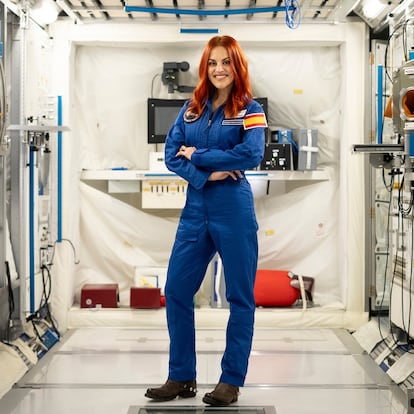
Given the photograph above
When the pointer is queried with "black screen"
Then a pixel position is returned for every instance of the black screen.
(263, 103)
(162, 114)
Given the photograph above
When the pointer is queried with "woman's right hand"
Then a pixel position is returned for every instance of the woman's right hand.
(222, 175)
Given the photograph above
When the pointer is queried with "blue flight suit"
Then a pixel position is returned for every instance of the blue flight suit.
(218, 217)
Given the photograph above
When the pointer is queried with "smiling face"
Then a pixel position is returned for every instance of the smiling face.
(220, 72)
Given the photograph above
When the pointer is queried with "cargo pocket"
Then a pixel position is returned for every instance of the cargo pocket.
(187, 232)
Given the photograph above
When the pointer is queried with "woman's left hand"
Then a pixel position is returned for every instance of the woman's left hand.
(186, 152)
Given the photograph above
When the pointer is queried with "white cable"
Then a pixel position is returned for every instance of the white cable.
(302, 292)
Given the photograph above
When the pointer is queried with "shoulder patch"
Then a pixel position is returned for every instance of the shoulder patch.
(190, 116)
(257, 120)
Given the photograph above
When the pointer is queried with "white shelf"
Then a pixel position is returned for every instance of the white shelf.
(139, 175)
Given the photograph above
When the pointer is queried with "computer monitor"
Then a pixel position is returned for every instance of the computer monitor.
(263, 102)
(162, 114)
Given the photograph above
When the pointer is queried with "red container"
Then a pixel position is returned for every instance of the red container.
(104, 295)
(145, 297)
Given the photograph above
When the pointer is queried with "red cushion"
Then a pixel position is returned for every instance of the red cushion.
(272, 288)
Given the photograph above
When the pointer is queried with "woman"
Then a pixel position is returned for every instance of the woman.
(218, 134)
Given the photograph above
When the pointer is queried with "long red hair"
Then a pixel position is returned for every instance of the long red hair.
(241, 93)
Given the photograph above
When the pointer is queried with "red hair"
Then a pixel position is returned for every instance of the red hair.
(241, 93)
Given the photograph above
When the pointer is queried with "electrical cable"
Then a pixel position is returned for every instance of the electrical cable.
(45, 294)
(403, 213)
(46, 297)
(395, 343)
(410, 290)
(388, 188)
(158, 75)
(386, 268)
(10, 299)
(400, 230)
(36, 331)
(76, 260)
(44, 310)
(293, 14)
(406, 324)
(2, 103)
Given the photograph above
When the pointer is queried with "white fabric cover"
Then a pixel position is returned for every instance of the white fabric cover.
(303, 89)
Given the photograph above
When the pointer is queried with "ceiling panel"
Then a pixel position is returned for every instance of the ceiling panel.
(190, 11)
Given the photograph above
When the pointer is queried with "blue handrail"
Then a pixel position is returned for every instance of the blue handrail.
(379, 104)
(32, 230)
(59, 172)
(204, 12)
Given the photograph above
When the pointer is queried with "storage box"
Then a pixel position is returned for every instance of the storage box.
(105, 295)
(306, 157)
(151, 276)
(277, 156)
(157, 162)
(161, 194)
(145, 297)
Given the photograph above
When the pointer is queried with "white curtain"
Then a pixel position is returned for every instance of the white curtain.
(299, 221)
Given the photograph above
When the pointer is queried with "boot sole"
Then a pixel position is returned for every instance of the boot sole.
(183, 394)
(208, 399)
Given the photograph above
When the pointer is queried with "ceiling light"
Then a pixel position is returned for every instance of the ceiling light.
(375, 12)
(372, 8)
(44, 11)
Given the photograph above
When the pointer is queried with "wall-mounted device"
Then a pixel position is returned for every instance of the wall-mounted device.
(403, 99)
(162, 114)
(170, 76)
(277, 156)
(263, 103)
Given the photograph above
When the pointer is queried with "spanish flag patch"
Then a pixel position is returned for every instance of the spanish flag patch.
(255, 121)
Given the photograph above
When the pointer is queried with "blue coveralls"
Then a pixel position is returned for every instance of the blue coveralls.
(218, 217)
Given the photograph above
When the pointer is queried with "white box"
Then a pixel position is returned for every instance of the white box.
(157, 162)
(123, 186)
(307, 142)
(164, 193)
(151, 277)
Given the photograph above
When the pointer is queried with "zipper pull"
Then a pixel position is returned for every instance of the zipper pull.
(210, 119)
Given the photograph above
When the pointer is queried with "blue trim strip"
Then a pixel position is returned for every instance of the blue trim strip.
(379, 103)
(31, 232)
(223, 12)
(59, 172)
(199, 30)
(410, 144)
(160, 174)
(175, 175)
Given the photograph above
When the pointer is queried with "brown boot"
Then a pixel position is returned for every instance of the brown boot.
(223, 394)
(172, 389)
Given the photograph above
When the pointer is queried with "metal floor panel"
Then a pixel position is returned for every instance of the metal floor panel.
(128, 339)
(140, 369)
(201, 410)
(107, 370)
